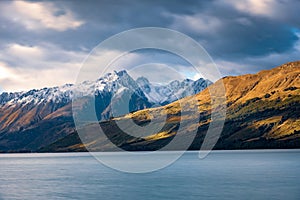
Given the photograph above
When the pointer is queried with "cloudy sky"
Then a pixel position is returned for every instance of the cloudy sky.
(44, 43)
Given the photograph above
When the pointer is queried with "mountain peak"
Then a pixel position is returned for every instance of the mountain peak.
(122, 73)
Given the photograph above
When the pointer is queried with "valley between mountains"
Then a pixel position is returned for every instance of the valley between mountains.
(263, 112)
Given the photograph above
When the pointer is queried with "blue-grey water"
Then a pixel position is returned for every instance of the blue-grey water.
(221, 175)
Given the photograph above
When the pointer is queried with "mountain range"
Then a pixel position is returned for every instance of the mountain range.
(26, 117)
(262, 112)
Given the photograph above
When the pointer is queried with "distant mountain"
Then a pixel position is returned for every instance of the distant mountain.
(165, 94)
(262, 112)
(25, 117)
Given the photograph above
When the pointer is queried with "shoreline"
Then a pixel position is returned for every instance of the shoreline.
(171, 151)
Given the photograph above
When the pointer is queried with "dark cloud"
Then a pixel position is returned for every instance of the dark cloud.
(260, 38)
(230, 33)
(104, 18)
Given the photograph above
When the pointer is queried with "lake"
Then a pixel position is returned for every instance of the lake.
(261, 174)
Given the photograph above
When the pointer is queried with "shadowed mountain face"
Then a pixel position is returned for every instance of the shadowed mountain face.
(262, 112)
(33, 119)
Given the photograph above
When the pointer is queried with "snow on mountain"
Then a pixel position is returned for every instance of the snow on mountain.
(20, 110)
(63, 93)
(111, 82)
(164, 94)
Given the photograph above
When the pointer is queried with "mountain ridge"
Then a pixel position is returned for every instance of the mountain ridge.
(262, 112)
(23, 111)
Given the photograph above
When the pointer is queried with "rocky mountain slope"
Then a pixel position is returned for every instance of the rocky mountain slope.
(43, 116)
(263, 111)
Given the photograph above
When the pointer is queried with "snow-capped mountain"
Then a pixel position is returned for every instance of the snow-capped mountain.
(111, 82)
(65, 93)
(164, 94)
(20, 110)
(42, 121)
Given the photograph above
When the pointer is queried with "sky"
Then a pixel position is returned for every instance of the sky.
(44, 44)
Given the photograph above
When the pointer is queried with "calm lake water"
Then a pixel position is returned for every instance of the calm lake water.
(221, 175)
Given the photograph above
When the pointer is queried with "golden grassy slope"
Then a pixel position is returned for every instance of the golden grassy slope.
(279, 84)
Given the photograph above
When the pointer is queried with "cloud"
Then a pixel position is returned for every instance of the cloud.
(6, 72)
(157, 65)
(229, 31)
(26, 67)
(138, 63)
(254, 64)
(38, 56)
(54, 37)
(167, 72)
(255, 7)
(19, 79)
(17, 53)
(41, 15)
(199, 23)
(283, 11)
